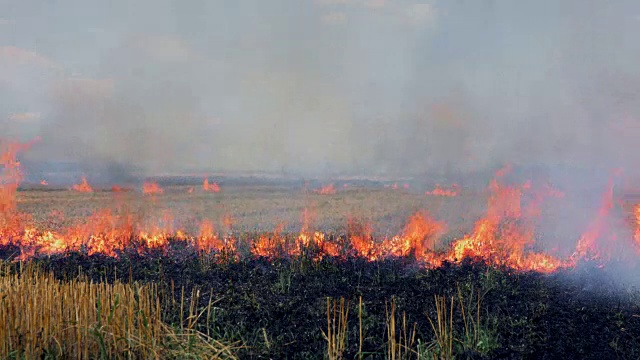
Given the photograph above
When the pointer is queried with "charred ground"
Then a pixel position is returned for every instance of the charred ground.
(277, 307)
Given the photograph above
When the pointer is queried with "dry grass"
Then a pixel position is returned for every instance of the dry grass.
(477, 336)
(337, 329)
(361, 333)
(43, 317)
(443, 328)
(400, 340)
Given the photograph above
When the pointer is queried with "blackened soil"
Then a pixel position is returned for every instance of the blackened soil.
(277, 308)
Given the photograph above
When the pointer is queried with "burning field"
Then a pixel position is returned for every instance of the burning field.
(340, 270)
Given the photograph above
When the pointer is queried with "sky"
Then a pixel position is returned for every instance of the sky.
(359, 87)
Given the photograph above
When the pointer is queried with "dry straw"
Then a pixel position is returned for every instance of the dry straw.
(42, 316)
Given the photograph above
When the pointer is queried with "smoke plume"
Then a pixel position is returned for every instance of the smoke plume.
(322, 87)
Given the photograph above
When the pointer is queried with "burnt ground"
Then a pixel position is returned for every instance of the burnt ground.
(277, 308)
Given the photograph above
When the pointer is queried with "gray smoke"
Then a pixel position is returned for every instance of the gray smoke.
(322, 86)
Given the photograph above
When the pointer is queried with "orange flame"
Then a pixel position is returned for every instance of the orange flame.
(440, 191)
(152, 188)
(360, 236)
(210, 187)
(636, 213)
(270, 245)
(326, 190)
(10, 220)
(44, 182)
(419, 237)
(588, 246)
(83, 186)
(308, 239)
(503, 236)
(208, 238)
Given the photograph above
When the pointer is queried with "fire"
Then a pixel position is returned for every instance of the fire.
(270, 245)
(10, 177)
(636, 213)
(326, 190)
(44, 182)
(152, 188)
(505, 235)
(308, 239)
(441, 191)
(588, 246)
(83, 187)
(360, 236)
(210, 187)
(208, 239)
(418, 237)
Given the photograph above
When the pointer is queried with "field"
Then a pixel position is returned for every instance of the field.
(305, 306)
(254, 207)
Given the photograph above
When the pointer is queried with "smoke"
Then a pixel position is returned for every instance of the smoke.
(323, 87)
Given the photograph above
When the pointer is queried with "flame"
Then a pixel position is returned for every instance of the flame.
(441, 191)
(152, 188)
(44, 182)
(588, 246)
(418, 238)
(208, 239)
(304, 239)
(83, 187)
(269, 245)
(308, 239)
(360, 236)
(636, 213)
(326, 190)
(210, 187)
(503, 236)
(11, 176)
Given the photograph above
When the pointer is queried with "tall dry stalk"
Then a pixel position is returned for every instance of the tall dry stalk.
(443, 327)
(361, 335)
(471, 325)
(337, 330)
(399, 343)
(80, 319)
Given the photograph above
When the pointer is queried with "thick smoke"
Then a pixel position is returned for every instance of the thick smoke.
(322, 87)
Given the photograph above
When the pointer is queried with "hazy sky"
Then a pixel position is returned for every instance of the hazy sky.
(315, 86)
